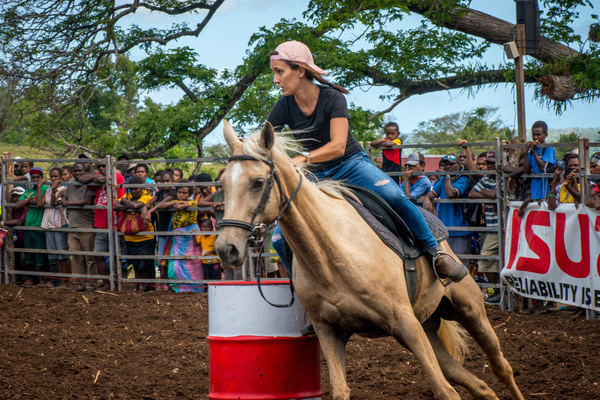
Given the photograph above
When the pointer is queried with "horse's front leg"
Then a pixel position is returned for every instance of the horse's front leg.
(333, 344)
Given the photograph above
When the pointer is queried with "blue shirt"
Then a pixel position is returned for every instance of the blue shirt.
(451, 214)
(540, 187)
(421, 187)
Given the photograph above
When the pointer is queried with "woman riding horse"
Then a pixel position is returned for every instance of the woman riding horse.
(318, 115)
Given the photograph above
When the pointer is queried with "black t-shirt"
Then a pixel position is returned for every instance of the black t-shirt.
(314, 130)
(164, 217)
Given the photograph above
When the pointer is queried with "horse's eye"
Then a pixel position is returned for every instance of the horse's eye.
(259, 183)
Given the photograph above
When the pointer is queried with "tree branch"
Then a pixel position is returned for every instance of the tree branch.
(410, 88)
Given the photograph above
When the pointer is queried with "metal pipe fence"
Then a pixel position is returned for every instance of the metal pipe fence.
(117, 278)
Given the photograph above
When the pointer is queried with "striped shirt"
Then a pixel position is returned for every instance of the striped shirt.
(488, 183)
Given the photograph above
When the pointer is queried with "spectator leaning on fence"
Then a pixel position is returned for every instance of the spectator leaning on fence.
(101, 215)
(19, 216)
(595, 170)
(212, 269)
(23, 174)
(142, 170)
(56, 217)
(451, 214)
(202, 193)
(538, 160)
(163, 217)
(79, 218)
(139, 245)
(391, 157)
(35, 239)
(185, 221)
(123, 166)
(481, 166)
(569, 191)
(414, 185)
(65, 173)
(486, 188)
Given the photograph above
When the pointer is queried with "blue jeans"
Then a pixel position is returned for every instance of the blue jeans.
(360, 171)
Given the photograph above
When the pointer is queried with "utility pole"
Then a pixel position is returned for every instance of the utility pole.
(527, 42)
(520, 83)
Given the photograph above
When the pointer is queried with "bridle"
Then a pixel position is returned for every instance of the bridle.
(259, 232)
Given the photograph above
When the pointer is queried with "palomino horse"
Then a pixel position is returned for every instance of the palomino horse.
(346, 278)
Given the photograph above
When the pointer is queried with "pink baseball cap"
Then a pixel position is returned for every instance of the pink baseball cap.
(297, 52)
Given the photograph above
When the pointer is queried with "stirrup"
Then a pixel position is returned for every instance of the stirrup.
(447, 281)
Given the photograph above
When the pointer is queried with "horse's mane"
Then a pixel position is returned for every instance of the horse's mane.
(285, 143)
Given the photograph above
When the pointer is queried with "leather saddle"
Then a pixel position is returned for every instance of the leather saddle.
(394, 231)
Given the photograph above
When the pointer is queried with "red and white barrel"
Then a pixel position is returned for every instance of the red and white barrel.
(256, 350)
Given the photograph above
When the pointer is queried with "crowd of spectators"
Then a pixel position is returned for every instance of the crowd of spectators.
(194, 206)
(456, 179)
(64, 202)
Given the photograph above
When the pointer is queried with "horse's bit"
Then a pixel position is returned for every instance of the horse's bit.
(259, 231)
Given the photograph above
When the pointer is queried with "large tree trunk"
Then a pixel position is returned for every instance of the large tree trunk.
(496, 30)
(559, 87)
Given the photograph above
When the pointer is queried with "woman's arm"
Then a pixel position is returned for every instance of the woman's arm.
(335, 148)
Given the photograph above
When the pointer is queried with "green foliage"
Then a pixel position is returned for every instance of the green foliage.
(571, 137)
(365, 129)
(477, 125)
(56, 49)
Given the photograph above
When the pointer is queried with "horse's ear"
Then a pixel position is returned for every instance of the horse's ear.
(230, 136)
(267, 136)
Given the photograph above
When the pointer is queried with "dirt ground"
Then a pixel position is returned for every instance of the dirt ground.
(58, 344)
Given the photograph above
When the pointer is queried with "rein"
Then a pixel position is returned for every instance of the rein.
(259, 231)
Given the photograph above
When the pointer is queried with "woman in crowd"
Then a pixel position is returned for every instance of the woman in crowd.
(56, 218)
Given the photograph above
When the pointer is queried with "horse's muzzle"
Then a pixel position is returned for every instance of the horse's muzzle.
(230, 255)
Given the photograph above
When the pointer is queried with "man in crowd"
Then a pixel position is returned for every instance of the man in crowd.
(101, 215)
(35, 239)
(123, 166)
(81, 195)
(486, 188)
(88, 164)
(414, 184)
(451, 214)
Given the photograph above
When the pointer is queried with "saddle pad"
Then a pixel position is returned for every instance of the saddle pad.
(388, 218)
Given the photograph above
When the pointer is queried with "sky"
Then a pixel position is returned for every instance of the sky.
(224, 41)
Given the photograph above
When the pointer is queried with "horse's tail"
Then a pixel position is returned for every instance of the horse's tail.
(453, 336)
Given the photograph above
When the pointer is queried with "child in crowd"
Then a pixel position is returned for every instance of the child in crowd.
(184, 221)
(215, 200)
(177, 174)
(163, 217)
(138, 245)
(56, 217)
(391, 157)
(24, 175)
(35, 239)
(212, 269)
(538, 160)
(66, 174)
(202, 193)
